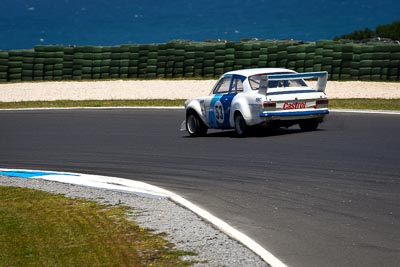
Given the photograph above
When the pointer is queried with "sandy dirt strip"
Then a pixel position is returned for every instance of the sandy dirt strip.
(165, 89)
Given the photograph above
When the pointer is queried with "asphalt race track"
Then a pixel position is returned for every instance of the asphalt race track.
(325, 198)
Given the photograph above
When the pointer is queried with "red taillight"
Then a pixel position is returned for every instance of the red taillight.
(322, 102)
(269, 105)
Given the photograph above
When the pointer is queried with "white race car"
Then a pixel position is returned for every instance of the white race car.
(273, 97)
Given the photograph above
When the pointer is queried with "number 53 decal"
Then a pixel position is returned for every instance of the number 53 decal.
(219, 112)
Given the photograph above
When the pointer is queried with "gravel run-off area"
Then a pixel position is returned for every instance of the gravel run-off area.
(165, 89)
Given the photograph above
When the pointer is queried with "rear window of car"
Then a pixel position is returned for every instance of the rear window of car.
(260, 80)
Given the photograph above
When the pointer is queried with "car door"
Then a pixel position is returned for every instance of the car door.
(219, 104)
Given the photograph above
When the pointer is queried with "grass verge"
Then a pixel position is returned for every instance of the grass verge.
(373, 104)
(42, 229)
(361, 103)
(93, 103)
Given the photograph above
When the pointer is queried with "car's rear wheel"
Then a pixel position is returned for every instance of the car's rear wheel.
(241, 126)
(309, 125)
(194, 125)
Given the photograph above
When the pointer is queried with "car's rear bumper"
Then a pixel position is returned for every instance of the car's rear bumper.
(294, 114)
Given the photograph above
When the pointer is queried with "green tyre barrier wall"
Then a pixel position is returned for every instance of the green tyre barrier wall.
(185, 59)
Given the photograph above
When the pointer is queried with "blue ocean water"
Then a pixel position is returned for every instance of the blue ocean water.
(26, 23)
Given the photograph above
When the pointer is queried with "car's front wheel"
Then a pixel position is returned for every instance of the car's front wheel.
(241, 126)
(194, 125)
(309, 125)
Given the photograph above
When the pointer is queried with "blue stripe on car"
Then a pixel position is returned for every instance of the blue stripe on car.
(293, 113)
(211, 114)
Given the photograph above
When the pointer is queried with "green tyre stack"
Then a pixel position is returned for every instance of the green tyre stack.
(115, 62)
(323, 56)
(3, 66)
(77, 64)
(38, 65)
(84, 56)
(365, 65)
(255, 54)
(58, 66)
(220, 55)
(300, 58)
(229, 61)
(318, 57)
(209, 60)
(92, 63)
(272, 56)
(53, 62)
(292, 51)
(28, 57)
(309, 58)
(133, 70)
(142, 61)
(124, 60)
(45, 59)
(162, 59)
(355, 62)
(381, 64)
(336, 62)
(105, 62)
(189, 59)
(394, 65)
(347, 58)
(282, 55)
(15, 65)
(263, 56)
(170, 54)
(179, 59)
(327, 58)
(68, 60)
(96, 66)
(199, 60)
(243, 55)
(152, 61)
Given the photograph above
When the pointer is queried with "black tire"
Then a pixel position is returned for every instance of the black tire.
(309, 125)
(194, 125)
(241, 126)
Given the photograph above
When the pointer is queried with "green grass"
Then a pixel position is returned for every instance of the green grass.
(361, 103)
(92, 103)
(373, 104)
(43, 229)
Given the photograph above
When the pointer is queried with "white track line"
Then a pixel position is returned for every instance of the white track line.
(383, 112)
(120, 184)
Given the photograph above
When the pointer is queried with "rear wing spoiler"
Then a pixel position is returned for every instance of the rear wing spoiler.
(321, 75)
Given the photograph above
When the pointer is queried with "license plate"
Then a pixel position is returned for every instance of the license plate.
(294, 105)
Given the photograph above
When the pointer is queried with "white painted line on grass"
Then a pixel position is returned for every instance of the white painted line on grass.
(120, 184)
